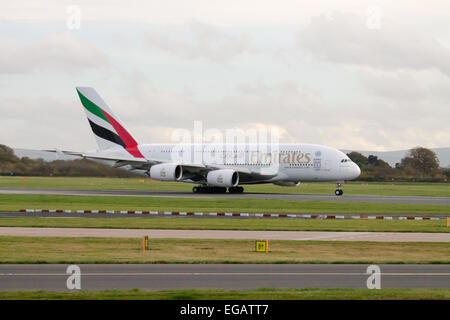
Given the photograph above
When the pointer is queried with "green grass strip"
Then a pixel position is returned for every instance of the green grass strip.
(16, 202)
(268, 224)
(351, 187)
(84, 250)
(216, 294)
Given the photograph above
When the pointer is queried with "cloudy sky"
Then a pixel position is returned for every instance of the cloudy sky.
(361, 75)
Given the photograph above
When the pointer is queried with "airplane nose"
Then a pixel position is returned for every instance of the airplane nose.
(356, 170)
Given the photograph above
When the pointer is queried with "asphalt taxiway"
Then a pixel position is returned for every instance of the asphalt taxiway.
(278, 196)
(220, 276)
(227, 234)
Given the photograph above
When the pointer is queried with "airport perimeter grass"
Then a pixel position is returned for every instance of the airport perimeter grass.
(15, 202)
(375, 188)
(267, 224)
(217, 294)
(126, 250)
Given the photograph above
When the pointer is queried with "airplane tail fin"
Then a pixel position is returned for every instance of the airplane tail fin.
(109, 131)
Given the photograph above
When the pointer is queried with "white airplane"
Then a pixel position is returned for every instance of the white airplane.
(213, 167)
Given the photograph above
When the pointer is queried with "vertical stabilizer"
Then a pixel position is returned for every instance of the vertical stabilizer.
(109, 131)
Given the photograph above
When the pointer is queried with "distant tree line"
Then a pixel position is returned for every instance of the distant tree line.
(420, 164)
(10, 164)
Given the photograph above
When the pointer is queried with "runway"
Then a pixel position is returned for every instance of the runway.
(228, 234)
(220, 276)
(278, 196)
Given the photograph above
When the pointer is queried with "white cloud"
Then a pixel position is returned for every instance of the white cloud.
(300, 114)
(202, 41)
(346, 39)
(61, 52)
(396, 86)
(45, 123)
(232, 12)
(297, 112)
(362, 89)
(256, 102)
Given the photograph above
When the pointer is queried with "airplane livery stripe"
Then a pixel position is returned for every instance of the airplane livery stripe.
(92, 107)
(127, 138)
(131, 144)
(100, 122)
(106, 134)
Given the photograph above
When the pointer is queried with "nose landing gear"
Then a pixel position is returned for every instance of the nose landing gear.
(339, 191)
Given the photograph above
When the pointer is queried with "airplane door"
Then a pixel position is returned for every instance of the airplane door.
(326, 165)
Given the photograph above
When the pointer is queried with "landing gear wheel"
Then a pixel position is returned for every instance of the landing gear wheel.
(209, 189)
(235, 189)
(217, 189)
(338, 190)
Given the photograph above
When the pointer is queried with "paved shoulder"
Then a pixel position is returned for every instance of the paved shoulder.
(228, 234)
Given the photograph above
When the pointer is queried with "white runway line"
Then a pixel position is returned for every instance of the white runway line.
(115, 274)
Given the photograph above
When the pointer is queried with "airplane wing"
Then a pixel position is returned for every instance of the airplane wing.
(192, 171)
(135, 163)
(198, 172)
(247, 175)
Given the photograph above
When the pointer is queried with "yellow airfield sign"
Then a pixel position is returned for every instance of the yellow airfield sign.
(262, 246)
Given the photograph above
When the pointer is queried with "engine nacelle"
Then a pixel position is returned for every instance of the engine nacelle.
(166, 172)
(223, 178)
(286, 183)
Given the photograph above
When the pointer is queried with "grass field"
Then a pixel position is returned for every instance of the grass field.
(376, 188)
(231, 224)
(113, 250)
(16, 202)
(216, 294)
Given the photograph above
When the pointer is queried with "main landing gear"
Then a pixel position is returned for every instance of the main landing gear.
(339, 191)
(208, 189)
(236, 190)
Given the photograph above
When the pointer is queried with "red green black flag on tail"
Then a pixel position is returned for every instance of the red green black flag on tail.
(108, 129)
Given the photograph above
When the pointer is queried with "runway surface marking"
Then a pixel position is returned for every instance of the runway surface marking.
(282, 196)
(228, 234)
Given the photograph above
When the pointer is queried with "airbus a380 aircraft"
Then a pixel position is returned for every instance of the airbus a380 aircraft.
(213, 167)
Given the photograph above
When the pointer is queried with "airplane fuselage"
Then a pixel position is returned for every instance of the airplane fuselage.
(285, 162)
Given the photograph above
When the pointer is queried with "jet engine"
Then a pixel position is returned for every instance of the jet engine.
(166, 172)
(223, 178)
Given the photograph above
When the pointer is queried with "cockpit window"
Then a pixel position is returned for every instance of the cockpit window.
(346, 160)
